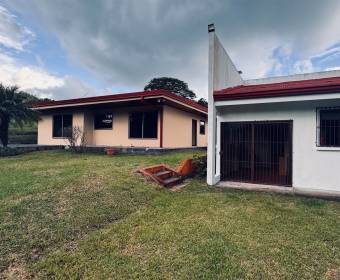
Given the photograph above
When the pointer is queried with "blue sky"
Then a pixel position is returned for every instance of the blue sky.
(65, 49)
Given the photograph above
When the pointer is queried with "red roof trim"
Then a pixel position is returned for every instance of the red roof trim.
(304, 87)
(121, 97)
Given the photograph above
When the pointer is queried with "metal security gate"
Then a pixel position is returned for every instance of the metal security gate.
(257, 152)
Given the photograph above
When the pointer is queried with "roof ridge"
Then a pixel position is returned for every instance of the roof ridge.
(124, 96)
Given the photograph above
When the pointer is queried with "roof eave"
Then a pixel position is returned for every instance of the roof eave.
(224, 95)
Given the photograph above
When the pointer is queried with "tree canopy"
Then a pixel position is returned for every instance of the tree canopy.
(171, 84)
(14, 106)
(203, 102)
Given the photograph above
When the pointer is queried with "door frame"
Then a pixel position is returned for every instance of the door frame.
(194, 133)
(290, 142)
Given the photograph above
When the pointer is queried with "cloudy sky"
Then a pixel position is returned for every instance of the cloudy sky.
(74, 48)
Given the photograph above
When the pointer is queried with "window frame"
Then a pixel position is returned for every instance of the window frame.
(143, 116)
(104, 113)
(204, 127)
(62, 125)
(318, 128)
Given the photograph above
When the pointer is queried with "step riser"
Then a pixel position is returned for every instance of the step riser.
(165, 176)
(173, 183)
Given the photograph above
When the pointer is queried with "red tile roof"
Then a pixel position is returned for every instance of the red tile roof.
(121, 97)
(304, 87)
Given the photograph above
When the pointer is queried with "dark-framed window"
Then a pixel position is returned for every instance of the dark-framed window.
(103, 121)
(143, 124)
(329, 127)
(202, 127)
(62, 125)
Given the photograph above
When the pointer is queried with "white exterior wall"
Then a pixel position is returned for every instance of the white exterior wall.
(222, 74)
(314, 168)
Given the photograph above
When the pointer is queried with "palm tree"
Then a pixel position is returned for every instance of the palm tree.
(13, 106)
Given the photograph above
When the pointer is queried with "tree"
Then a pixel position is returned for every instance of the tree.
(171, 84)
(13, 106)
(203, 102)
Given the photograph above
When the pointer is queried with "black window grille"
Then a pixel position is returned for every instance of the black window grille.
(329, 127)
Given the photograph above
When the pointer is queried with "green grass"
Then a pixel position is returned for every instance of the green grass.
(64, 215)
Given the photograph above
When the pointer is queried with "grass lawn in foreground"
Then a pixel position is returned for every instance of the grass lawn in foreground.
(66, 215)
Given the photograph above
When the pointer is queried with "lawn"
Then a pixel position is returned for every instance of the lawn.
(64, 215)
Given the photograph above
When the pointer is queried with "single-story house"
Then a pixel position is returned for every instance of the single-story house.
(281, 131)
(150, 119)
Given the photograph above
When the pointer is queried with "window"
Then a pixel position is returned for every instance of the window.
(62, 126)
(202, 127)
(103, 121)
(143, 124)
(329, 127)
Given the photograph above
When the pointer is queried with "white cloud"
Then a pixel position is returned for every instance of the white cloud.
(303, 66)
(13, 35)
(126, 43)
(71, 87)
(333, 68)
(40, 82)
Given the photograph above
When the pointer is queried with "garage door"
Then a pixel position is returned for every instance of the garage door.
(257, 152)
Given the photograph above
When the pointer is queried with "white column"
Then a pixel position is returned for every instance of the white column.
(211, 162)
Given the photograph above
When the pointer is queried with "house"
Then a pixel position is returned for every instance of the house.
(281, 131)
(149, 119)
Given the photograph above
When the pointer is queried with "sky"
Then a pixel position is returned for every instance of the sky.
(63, 49)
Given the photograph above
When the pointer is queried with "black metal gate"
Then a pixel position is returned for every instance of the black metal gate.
(257, 152)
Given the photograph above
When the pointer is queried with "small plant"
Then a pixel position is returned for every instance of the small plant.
(200, 164)
(77, 141)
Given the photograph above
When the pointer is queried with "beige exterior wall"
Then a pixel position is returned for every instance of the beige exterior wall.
(45, 125)
(177, 128)
(119, 135)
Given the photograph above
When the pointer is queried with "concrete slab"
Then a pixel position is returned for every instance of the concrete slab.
(255, 187)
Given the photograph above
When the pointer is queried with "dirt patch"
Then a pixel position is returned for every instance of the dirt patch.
(333, 274)
(15, 271)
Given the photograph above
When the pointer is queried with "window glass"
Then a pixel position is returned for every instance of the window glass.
(62, 126)
(136, 125)
(150, 124)
(202, 127)
(143, 124)
(103, 121)
(57, 126)
(67, 125)
(330, 128)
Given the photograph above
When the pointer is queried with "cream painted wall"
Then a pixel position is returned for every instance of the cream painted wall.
(119, 134)
(45, 128)
(177, 129)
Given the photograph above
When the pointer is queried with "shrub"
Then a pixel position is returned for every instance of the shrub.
(6, 152)
(77, 140)
(200, 164)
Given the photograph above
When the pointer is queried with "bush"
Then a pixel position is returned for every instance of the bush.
(200, 164)
(6, 152)
(77, 140)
